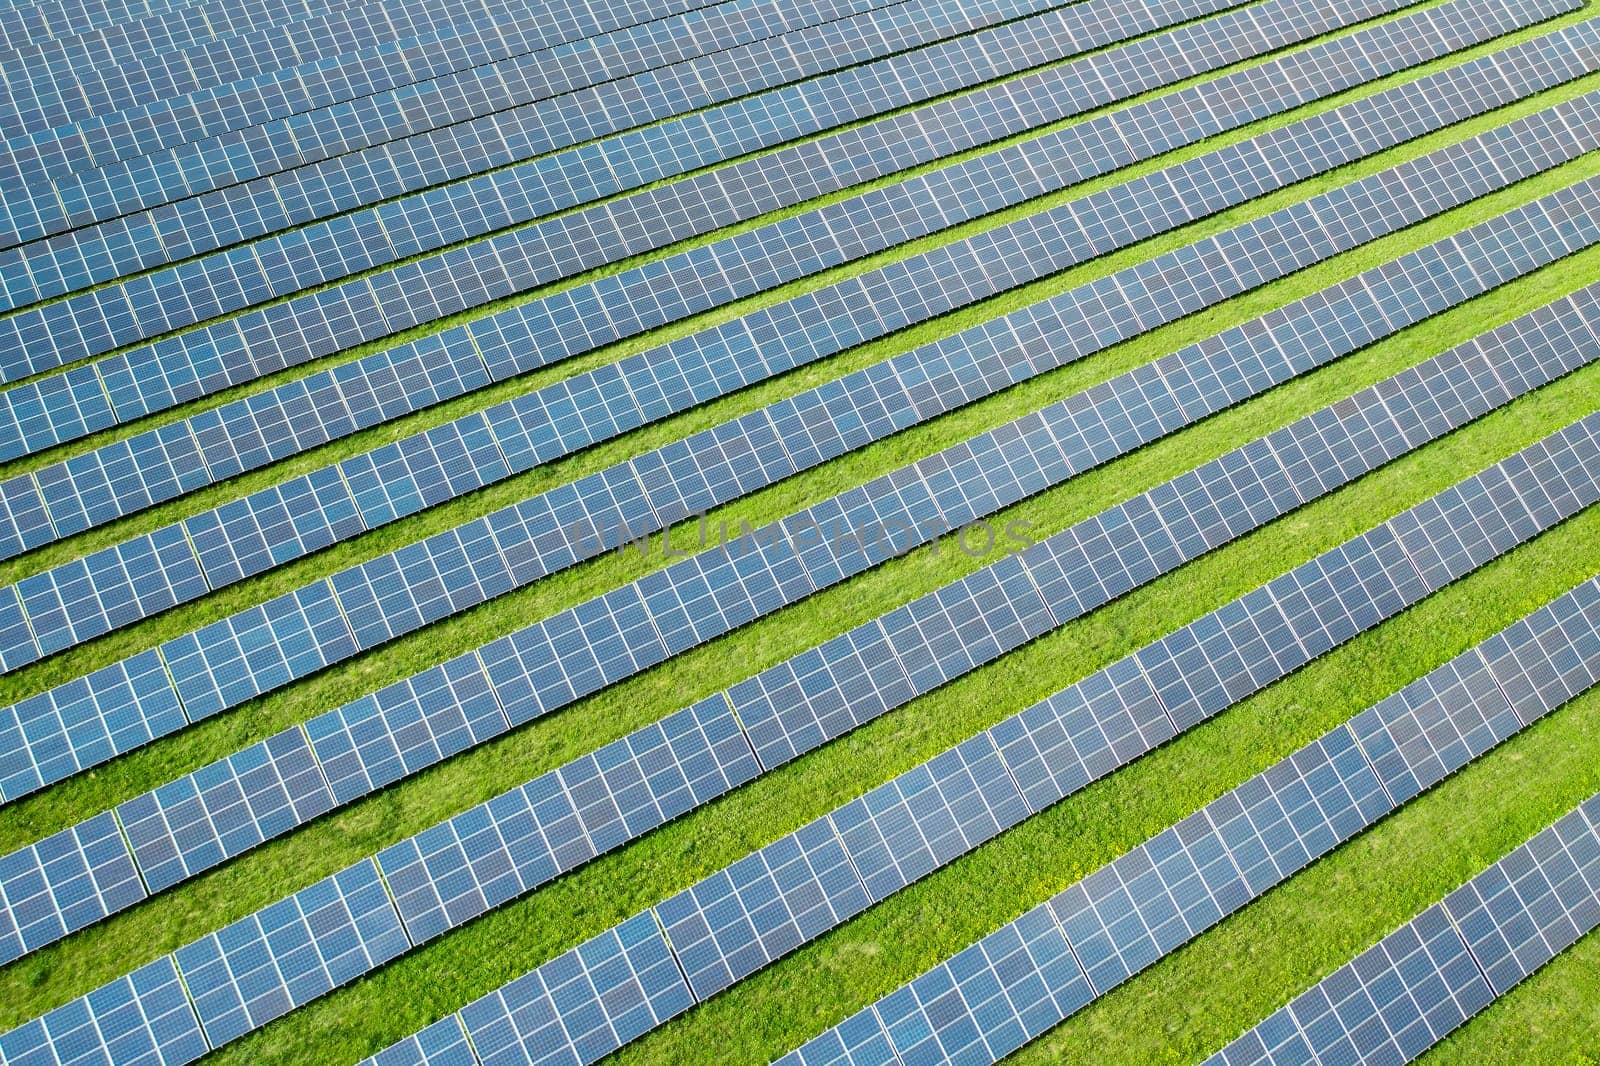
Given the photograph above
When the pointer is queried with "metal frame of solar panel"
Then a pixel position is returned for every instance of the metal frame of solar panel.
(574, 813)
(100, 320)
(231, 641)
(140, 183)
(1164, 892)
(1263, 810)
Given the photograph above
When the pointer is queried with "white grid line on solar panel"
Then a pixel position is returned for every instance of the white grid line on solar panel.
(444, 1043)
(96, 321)
(1550, 659)
(1531, 905)
(764, 120)
(1373, 793)
(1149, 901)
(115, 190)
(511, 844)
(320, 537)
(64, 882)
(224, 808)
(143, 380)
(287, 954)
(145, 1016)
(208, 852)
(79, 85)
(236, 682)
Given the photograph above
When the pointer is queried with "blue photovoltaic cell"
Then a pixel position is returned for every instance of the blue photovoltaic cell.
(259, 649)
(144, 1018)
(583, 1004)
(224, 809)
(64, 882)
(1394, 1000)
(1549, 657)
(761, 907)
(859, 1040)
(291, 952)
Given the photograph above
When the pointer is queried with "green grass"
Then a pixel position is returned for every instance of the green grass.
(1182, 1008)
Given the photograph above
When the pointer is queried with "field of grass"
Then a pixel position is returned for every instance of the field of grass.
(1186, 1006)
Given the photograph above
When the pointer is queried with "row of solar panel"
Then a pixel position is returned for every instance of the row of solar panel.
(42, 338)
(516, 136)
(200, 821)
(148, 468)
(1196, 279)
(270, 72)
(917, 823)
(988, 1000)
(729, 925)
(333, 35)
(1423, 980)
(198, 225)
(216, 163)
(47, 20)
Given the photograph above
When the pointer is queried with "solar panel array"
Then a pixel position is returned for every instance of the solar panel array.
(130, 311)
(522, 838)
(120, 478)
(986, 1001)
(163, 862)
(302, 631)
(740, 919)
(185, 171)
(102, 253)
(201, 195)
(235, 350)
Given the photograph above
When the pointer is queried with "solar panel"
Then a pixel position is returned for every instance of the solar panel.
(224, 808)
(142, 1017)
(610, 989)
(64, 882)
(291, 952)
